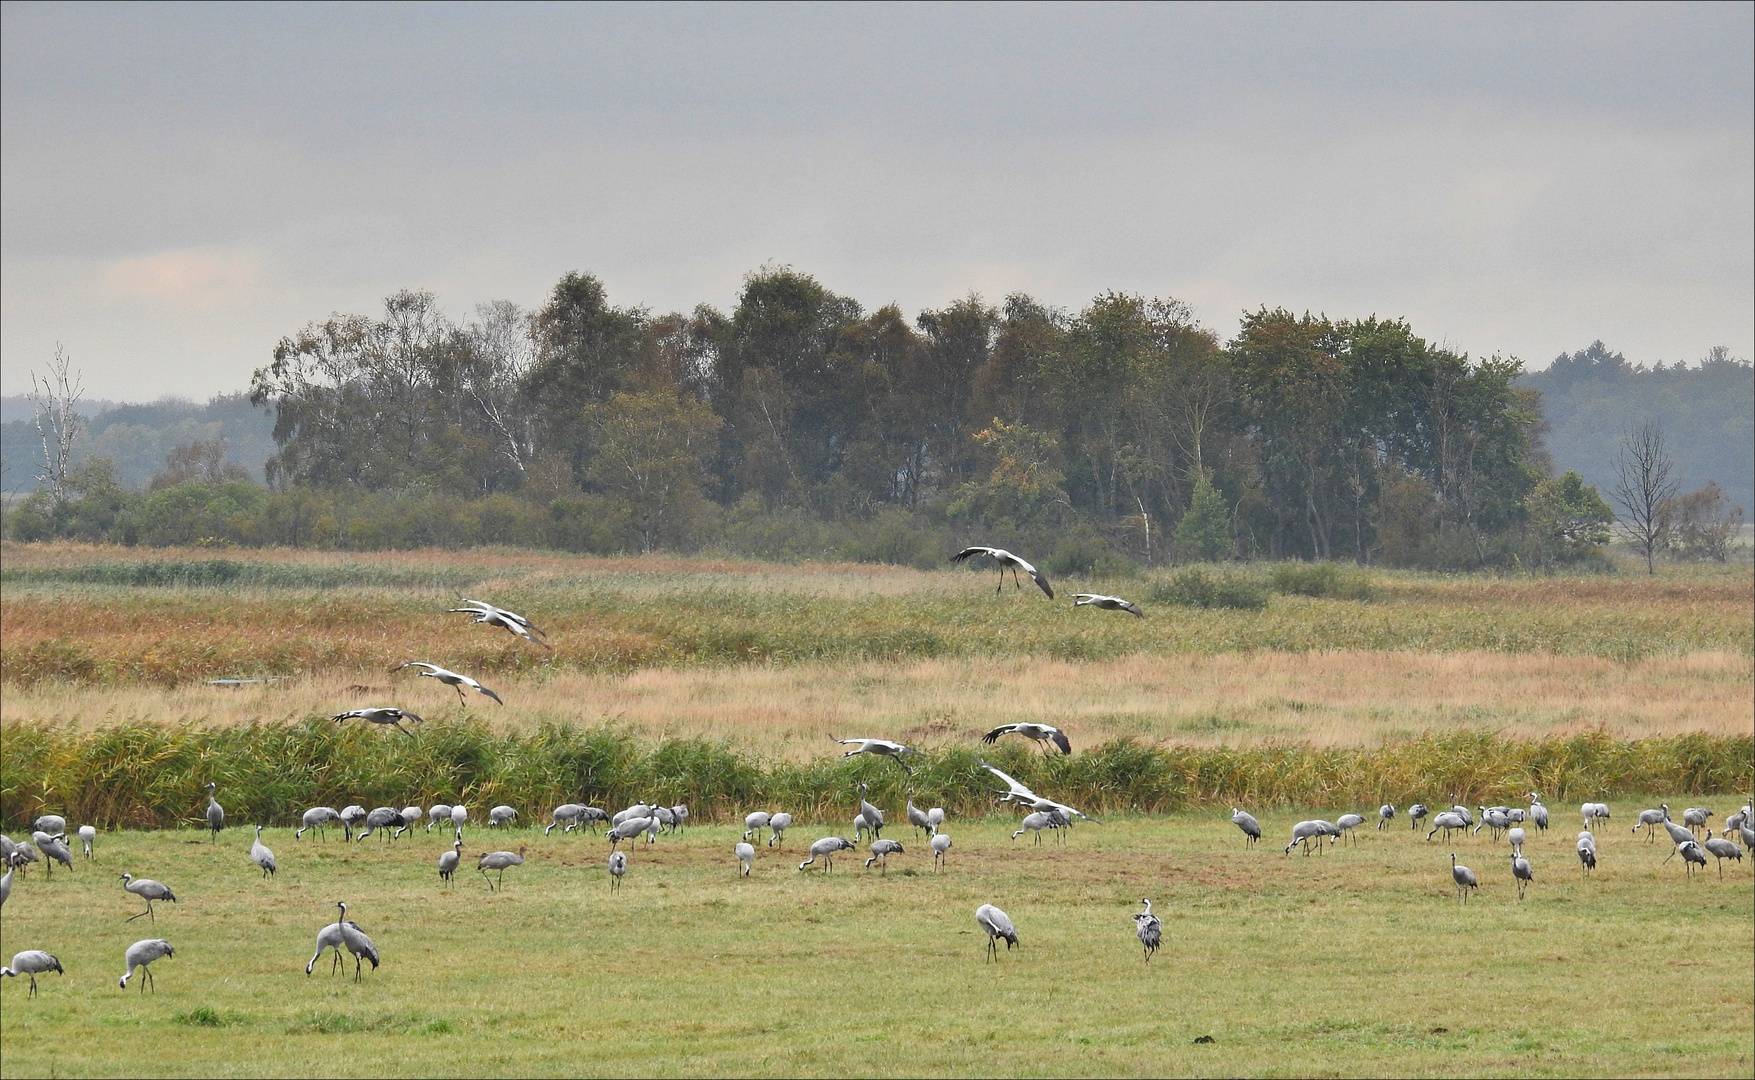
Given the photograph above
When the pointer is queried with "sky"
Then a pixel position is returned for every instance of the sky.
(181, 186)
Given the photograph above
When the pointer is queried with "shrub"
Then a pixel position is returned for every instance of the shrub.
(1204, 589)
(1320, 580)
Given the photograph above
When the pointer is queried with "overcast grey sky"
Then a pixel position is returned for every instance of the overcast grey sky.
(180, 186)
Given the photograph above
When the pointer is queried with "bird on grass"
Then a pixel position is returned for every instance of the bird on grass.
(825, 849)
(499, 860)
(344, 933)
(501, 816)
(6, 886)
(917, 817)
(998, 925)
(1245, 821)
(438, 814)
(1149, 929)
(1039, 820)
(380, 820)
(316, 818)
(1416, 813)
(1695, 817)
(941, 843)
(215, 812)
(1692, 855)
(449, 678)
(1039, 733)
(1721, 849)
(568, 816)
(777, 826)
(746, 855)
(1520, 869)
(1306, 831)
(54, 849)
(1538, 813)
(1347, 823)
(449, 861)
(1594, 812)
(881, 852)
(1464, 877)
(754, 823)
(1449, 821)
(53, 824)
(1007, 561)
(874, 818)
(618, 865)
(148, 890)
(880, 747)
(1587, 853)
(379, 714)
(261, 856)
(139, 955)
(1107, 603)
(1385, 815)
(86, 835)
(32, 962)
(510, 621)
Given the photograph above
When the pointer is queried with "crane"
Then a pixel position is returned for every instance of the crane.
(1039, 733)
(777, 826)
(1107, 603)
(1520, 869)
(881, 852)
(746, 855)
(215, 812)
(1416, 813)
(316, 818)
(618, 865)
(568, 816)
(1692, 854)
(1149, 929)
(148, 890)
(54, 849)
(1449, 821)
(880, 747)
(861, 827)
(379, 820)
(86, 835)
(1039, 820)
(344, 933)
(1594, 812)
(1538, 812)
(438, 814)
(261, 856)
(31, 962)
(1587, 853)
(1695, 817)
(1649, 820)
(1019, 793)
(1006, 561)
(139, 955)
(1346, 823)
(825, 849)
(917, 816)
(351, 815)
(450, 860)
(935, 817)
(755, 822)
(53, 824)
(1721, 849)
(1306, 831)
(874, 818)
(627, 830)
(499, 860)
(1494, 821)
(501, 816)
(510, 621)
(941, 843)
(449, 678)
(998, 925)
(1464, 878)
(1385, 815)
(410, 816)
(1246, 821)
(1515, 836)
(6, 885)
(380, 714)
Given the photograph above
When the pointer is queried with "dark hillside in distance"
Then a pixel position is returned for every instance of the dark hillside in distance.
(137, 437)
(1708, 415)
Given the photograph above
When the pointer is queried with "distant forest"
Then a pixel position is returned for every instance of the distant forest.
(801, 425)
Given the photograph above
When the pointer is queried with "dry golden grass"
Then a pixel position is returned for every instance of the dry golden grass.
(1324, 698)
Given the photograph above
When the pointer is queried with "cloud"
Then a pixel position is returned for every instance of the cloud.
(198, 280)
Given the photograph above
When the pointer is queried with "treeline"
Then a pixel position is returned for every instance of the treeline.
(151, 775)
(801, 425)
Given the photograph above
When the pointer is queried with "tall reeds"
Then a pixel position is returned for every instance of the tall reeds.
(150, 775)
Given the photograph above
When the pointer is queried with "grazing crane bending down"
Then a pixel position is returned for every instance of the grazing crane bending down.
(449, 678)
(350, 816)
(379, 820)
(874, 818)
(1594, 812)
(754, 823)
(1251, 827)
(1587, 853)
(380, 714)
(1415, 813)
(215, 812)
(501, 815)
(1347, 823)
(917, 816)
(510, 621)
(1649, 821)
(941, 843)
(53, 824)
(746, 855)
(1306, 831)
(1520, 869)
(499, 860)
(32, 962)
(86, 835)
(627, 830)
(567, 815)
(56, 851)
(777, 826)
(1107, 603)
(1007, 561)
(881, 852)
(1039, 733)
(411, 816)
(438, 814)
(261, 856)
(139, 955)
(618, 865)
(1464, 878)
(1385, 815)
(825, 849)
(1494, 821)
(1149, 929)
(1020, 793)
(316, 818)
(1449, 821)
(998, 925)
(1695, 817)
(880, 747)
(1722, 849)
(1692, 855)
(1036, 822)
(148, 890)
(449, 861)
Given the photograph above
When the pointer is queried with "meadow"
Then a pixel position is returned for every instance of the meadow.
(1356, 961)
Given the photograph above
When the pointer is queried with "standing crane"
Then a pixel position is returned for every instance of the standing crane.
(459, 816)
(215, 812)
(438, 814)
(148, 890)
(1107, 603)
(874, 818)
(1245, 821)
(1695, 817)
(1515, 836)
(618, 865)
(53, 824)
(1449, 820)
(881, 852)
(139, 955)
(1416, 813)
(344, 933)
(54, 850)
(6, 886)
(941, 843)
(1039, 733)
(351, 814)
(998, 925)
(1494, 821)
(86, 835)
(1721, 849)
(380, 714)
(1149, 929)
(1464, 878)
(261, 856)
(450, 860)
(449, 678)
(917, 817)
(1039, 820)
(567, 816)
(825, 849)
(499, 860)
(31, 962)
(1692, 855)
(1006, 561)
(746, 855)
(935, 817)
(411, 816)
(1520, 869)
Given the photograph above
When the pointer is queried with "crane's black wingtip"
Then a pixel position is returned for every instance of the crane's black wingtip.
(1061, 741)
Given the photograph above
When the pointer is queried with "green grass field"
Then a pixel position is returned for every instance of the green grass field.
(1358, 961)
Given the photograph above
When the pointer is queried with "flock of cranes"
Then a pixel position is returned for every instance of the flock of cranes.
(649, 820)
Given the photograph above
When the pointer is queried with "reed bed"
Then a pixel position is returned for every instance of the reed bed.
(151, 775)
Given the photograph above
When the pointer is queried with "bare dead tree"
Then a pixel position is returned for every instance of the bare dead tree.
(503, 356)
(1645, 482)
(54, 400)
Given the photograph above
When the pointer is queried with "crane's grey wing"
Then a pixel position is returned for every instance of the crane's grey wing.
(1041, 580)
(1017, 788)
